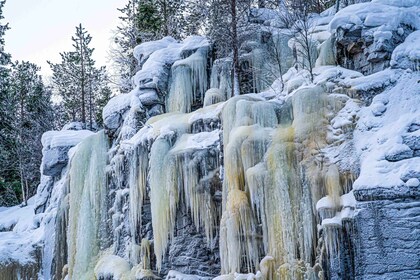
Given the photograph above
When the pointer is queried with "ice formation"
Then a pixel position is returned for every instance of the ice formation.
(87, 205)
(265, 185)
(189, 82)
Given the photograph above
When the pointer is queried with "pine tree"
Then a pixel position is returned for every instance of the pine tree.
(77, 81)
(228, 27)
(172, 17)
(105, 94)
(33, 116)
(126, 38)
(9, 179)
(4, 57)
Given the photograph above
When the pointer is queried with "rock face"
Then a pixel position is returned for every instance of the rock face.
(365, 41)
(54, 160)
(386, 237)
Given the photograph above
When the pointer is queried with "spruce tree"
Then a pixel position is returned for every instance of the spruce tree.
(33, 116)
(77, 81)
(126, 38)
(9, 179)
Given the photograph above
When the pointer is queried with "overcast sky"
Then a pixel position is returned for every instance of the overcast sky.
(41, 29)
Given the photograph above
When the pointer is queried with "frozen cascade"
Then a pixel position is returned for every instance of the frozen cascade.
(137, 184)
(163, 197)
(213, 96)
(270, 156)
(326, 53)
(189, 82)
(87, 211)
(221, 76)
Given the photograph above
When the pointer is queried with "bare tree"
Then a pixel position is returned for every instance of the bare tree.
(300, 22)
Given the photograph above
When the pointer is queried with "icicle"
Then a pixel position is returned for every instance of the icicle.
(237, 235)
(221, 76)
(87, 212)
(189, 82)
(143, 270)
(145, 253)
(213, 96)
(258, 70)
(326, 53)
(332, 182)
(137, 181)
(163, 197)
(267, 267)
(309, 116)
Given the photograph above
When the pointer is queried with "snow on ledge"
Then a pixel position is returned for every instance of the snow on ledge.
(407, 54)
(64, 138)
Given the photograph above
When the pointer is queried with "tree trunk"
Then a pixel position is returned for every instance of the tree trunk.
(82, 63)
(22, 183)
(236, 70)
(90, 106)
(337, 6)
(165, 18)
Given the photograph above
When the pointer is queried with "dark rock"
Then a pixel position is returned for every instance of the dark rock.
(400, 153)
(386, 245)
(357, 49)
(412, 141)
(54, 160)
(113, 121)
(148, 97)
(410, 173)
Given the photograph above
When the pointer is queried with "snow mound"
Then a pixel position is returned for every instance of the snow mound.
(19, 234)
(407, 54)
(388, 15)
(63, 138)
(160, 60)
(143, 51)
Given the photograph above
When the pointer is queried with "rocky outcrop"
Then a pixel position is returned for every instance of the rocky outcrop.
(386, 236)
(365, 40)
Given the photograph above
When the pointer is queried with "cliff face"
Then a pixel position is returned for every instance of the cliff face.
(300, 180)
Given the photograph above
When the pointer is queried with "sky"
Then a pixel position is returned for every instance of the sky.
(41, 29)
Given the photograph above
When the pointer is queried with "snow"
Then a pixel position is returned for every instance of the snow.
(379, 137)
(111, 266)
(17, 244)
(143, 51)
(334, 221)
(156, 65)
(387, 14)
(407, 54)
(377, 80)
(194, 42)
(175, 275)
(197, 141)
(325, 202)
(413, 182)
(73, 126)
(348, 200)
(169, 123)
(118, 103)
(63, 138)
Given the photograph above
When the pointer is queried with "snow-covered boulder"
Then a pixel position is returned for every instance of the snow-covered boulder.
(56, 145)
(367, 34)
(407, 54)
